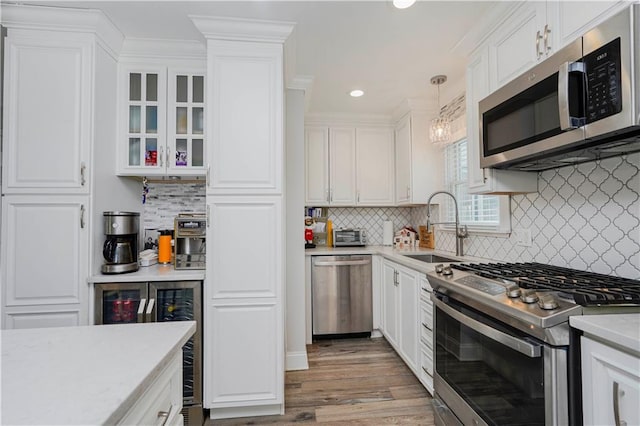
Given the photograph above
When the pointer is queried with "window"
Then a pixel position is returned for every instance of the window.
(481, 213)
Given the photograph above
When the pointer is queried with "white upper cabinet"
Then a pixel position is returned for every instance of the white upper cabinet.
(47, 112)
(161, 120)
(374, 167)
(519, 43)
(537, 29)
(316, 145)
(246, 99)
(342, 166)
(349, 166)
(487, 181)
(418, 163)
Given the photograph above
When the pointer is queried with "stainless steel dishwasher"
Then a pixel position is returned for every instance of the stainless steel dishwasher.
(341, 294)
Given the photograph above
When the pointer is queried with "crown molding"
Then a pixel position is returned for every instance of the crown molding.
(301, 82)
(238, 29)
(47, 18)
(346, 119)
(417, 105)
(138, 48)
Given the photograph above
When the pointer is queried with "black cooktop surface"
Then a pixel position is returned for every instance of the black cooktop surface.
(585, 288)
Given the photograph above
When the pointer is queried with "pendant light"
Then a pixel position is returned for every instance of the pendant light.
(440, 129)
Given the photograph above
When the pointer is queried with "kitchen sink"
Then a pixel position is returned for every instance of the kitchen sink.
(430, 258)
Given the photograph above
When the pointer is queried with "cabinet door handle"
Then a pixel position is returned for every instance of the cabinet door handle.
(538, 37)
(83, 170)
(141, 309)
(208, 174)
(358, 197)
(164, 415)
(617, 393)
(168, 156)
(82, 216)
(149, 309)
(408, 191)
(161, 156)
(330, 195)
(547, 30)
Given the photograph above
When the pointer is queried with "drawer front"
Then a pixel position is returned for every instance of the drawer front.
(426, 367)
(161, 403)
(426, 324)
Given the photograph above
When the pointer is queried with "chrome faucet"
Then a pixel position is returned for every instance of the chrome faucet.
(461, 232)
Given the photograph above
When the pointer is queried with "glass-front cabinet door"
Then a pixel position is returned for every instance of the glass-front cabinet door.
(120, 303)
(185, 123)
(144, 120)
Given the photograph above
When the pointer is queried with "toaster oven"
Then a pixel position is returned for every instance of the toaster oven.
(349, 237)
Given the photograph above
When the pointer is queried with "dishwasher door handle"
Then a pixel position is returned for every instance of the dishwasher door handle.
(343, 263)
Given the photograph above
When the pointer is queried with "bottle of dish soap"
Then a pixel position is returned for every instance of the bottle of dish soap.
(329, 233)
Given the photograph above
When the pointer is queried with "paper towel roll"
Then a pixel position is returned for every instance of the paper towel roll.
(387, 233)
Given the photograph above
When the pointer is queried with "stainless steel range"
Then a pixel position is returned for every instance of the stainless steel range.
(504, 351)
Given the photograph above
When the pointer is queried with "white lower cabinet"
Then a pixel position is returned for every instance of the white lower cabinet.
(45, 245)
(161, 403)
(244, 325)
(400, 311)
(407, 318)
(610, 385)
(426, 335)
(243, 372)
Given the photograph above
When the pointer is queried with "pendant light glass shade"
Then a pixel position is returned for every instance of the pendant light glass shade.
(440, 131)
(440, 128)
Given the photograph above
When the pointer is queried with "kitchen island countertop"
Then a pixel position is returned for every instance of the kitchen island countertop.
(155, 272)
(87, 375)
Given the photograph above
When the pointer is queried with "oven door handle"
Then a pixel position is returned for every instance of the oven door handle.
(526, 348)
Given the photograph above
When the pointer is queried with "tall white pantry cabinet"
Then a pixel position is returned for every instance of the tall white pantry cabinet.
(244, 285)
(59, 78)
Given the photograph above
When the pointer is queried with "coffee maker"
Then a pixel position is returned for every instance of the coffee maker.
(120, 250)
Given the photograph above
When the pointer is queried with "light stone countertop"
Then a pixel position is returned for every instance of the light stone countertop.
(155, 272)
(621, 330)
(396, 255)
(88, 375)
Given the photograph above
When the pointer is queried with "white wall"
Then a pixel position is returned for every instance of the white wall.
(110, 192)
(296, 353)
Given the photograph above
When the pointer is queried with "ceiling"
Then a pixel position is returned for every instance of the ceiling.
(389, 53)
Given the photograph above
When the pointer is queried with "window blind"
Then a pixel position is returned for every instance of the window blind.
(474, 210)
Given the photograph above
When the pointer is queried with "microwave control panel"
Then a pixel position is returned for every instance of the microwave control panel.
(604, 95)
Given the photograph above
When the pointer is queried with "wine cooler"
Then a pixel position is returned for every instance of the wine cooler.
(120, 303)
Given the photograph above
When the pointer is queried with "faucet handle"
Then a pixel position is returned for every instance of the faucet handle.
(462, 231)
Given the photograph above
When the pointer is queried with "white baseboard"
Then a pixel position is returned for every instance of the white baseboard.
(376, 333)
(296, 361)
(251, 411)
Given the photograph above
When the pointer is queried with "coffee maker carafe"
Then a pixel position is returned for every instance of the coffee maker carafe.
(120, 250)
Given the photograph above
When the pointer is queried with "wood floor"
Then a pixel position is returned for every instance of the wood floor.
(350, 382)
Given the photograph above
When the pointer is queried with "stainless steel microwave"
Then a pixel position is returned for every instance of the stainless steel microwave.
(349, 237)
(580, 104)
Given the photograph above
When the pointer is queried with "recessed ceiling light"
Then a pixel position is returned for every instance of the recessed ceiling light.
(403, 4)
(356, 93)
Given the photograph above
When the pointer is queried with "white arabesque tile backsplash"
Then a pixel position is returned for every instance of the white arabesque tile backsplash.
(585, 217)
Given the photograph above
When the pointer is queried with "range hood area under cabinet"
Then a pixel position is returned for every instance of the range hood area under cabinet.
(161, 117)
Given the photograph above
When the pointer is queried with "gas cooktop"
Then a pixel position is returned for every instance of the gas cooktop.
(584, 288)
(534, 296)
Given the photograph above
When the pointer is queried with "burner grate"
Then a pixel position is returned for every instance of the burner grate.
(586, 288)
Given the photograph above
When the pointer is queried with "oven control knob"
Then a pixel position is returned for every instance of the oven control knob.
(447, 270)
(528, 295)
(513, 291)
(439, 268)
(547, 302)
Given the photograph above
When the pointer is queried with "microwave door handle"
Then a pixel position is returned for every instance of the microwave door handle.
(567, 122)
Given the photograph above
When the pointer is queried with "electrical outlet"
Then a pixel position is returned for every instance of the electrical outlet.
(523, 237)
